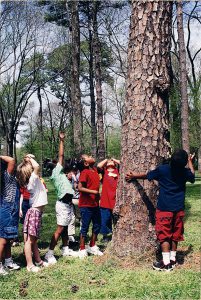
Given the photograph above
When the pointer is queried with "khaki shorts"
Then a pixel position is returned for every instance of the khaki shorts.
(64, 213)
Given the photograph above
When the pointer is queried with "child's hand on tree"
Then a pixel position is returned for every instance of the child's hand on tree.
(129, 176)
(61, 136)
(191, 157)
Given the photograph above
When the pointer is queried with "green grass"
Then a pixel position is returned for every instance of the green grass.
(109, 278)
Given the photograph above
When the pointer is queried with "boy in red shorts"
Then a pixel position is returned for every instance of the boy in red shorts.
(172, 180)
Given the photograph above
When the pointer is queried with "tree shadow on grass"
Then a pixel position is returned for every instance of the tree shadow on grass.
(181, 255)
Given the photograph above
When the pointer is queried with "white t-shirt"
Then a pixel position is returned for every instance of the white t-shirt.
(38, 194)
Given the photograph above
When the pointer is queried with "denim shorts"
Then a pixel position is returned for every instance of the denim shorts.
(9, 218)
(89, 214)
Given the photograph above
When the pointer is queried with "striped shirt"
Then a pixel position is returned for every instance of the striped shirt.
(9, 189)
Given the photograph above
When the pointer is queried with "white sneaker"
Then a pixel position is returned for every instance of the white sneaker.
(82, 253)
(42, 264)
(33, 269)
(94, 250)
(10, 265)
(66, 251)
(3, 271)
(50, 259)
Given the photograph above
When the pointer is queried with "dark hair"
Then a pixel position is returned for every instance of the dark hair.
(178, 162)
(179, 159)
(80, 164)
(70, 165)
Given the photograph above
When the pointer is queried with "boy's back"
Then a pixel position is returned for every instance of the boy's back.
(172, 186)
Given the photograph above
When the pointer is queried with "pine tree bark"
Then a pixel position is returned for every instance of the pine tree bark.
(145, 134)
(98, 78)
(183, 80)
(75, 85)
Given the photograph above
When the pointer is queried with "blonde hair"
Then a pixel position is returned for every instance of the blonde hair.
(24, 171)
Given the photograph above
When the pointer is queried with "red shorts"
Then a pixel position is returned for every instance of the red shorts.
(169, 225)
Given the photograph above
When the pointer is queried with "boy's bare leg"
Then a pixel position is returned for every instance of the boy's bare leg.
(2, 248)
(7, 249)
(56, 236)
(64, 236)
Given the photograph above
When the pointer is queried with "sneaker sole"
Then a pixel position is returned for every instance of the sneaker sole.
(162, 270)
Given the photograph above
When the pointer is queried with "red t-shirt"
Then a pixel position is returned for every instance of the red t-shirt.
(25, 193)
(108, 195)
(91, 180)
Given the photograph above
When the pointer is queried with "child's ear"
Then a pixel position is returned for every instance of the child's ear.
(86, 164)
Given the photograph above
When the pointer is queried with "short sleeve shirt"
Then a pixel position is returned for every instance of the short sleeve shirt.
(91, 180)
(61, 182)
(38, 194)
(10, 187)
(171, 191)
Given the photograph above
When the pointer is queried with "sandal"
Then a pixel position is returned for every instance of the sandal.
(42, 264)
(33, 269)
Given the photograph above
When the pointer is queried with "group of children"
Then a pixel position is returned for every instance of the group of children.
(31, 204)
(93, 207)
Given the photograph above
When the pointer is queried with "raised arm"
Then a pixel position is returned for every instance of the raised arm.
(190, 163)
(132, 175)
(35, 165)
(117, 161)
(10, 163)
(102, 163)
(61, 148)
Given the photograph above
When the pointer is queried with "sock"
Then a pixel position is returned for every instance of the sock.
(65, 247)
(7, 260)
(173, 255)
(92, 243)
(51, 252)
(82, 247)
(166, 258)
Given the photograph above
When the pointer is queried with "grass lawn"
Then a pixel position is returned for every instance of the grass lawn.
(108, 277)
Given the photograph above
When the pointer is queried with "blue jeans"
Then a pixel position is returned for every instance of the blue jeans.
(9, 218)
(106, 221)
(25, 207)
(89, 214)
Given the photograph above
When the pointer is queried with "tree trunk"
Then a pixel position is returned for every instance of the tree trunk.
(75, 85)
(183, 80)
(41, 128)
(91, 84)
(145, 134)
(98, 77)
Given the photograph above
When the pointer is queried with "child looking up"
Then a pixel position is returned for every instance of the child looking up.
(172, 180)
(88, 187)
(63, 207)
(28, 177)
(9, 212)
(108, 195)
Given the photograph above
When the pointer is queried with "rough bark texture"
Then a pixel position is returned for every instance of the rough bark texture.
(75, 85)
(145, 134)
(183, 80)
(98, 77)
(41, 127)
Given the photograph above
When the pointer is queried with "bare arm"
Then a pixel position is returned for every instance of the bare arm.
(20, 209)
(102, 163)
(132, 175)
(82, 189)
(61, 148)
(190, 163)
(11, 163)
(35, 165)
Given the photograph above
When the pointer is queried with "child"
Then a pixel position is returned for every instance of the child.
(88, 187)
(9, 212)
(28, 177)
(108, 195)
(172, 179)
(64, 207)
